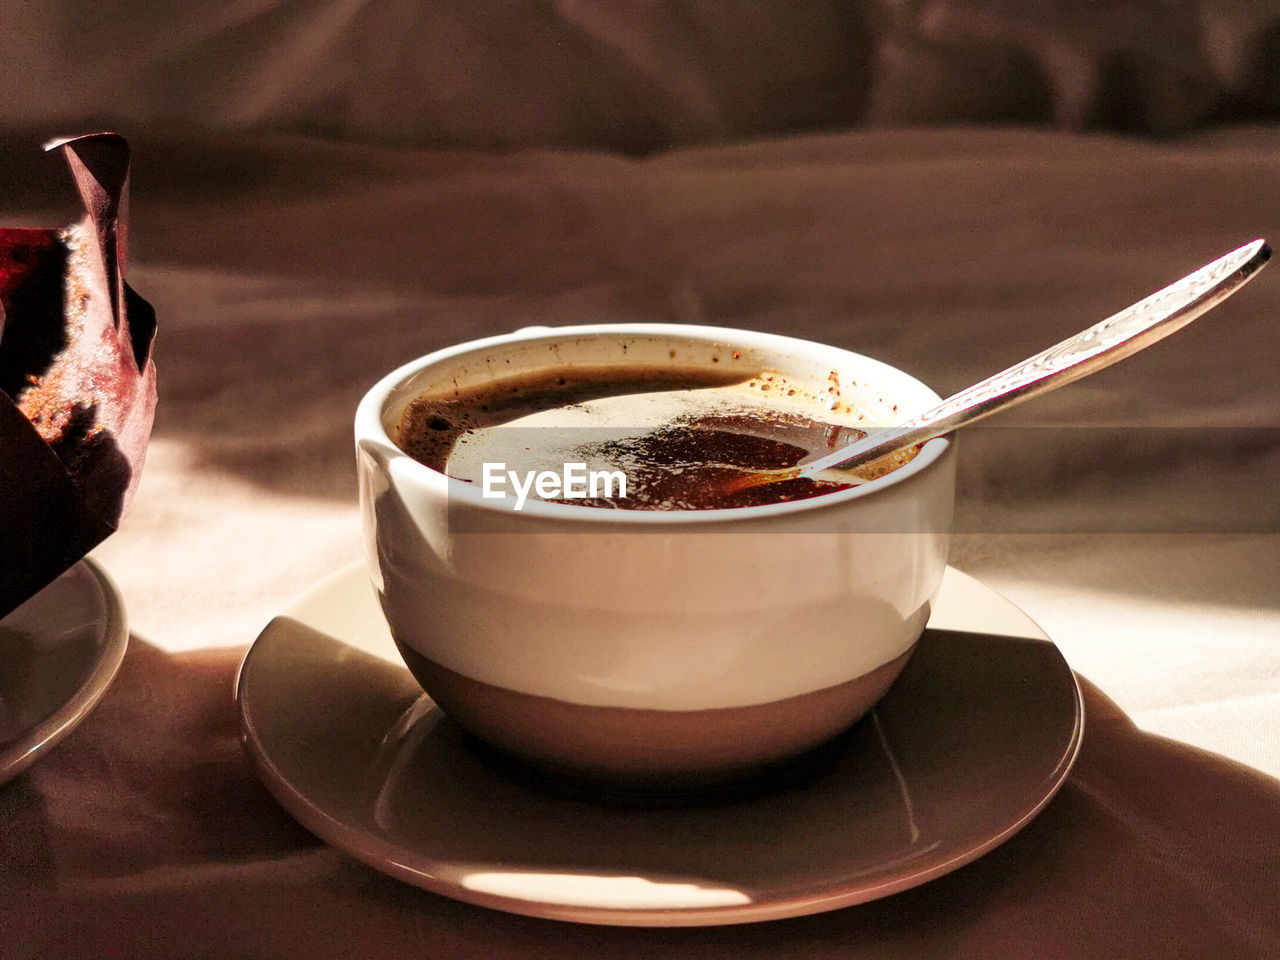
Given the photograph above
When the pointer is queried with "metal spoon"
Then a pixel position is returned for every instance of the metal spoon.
(1101, 345)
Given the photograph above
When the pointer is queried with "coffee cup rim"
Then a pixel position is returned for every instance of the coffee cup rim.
(370, 433)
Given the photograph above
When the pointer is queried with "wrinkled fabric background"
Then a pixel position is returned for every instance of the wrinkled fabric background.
(639, 75)
(323, 190)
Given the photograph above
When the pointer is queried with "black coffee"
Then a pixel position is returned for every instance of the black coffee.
(683, 437)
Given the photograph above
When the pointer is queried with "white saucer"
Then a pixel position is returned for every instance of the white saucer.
(58, 654)
(969, 745)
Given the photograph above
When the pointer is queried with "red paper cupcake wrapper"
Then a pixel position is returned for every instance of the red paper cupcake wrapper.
(77, 384)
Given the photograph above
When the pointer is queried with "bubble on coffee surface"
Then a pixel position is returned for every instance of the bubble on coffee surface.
(677, 435)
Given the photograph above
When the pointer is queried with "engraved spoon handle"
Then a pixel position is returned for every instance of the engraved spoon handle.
(1103, 344)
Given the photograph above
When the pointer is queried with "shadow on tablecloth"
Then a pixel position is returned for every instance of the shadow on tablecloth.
(146, 834)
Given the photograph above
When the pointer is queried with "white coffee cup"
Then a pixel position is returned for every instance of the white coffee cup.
(653, 650)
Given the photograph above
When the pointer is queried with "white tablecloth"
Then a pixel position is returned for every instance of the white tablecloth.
(289, 274)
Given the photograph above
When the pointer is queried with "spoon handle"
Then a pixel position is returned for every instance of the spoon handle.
(1101, 345)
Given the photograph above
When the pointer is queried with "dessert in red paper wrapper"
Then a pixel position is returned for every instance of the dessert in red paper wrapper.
(77, 385)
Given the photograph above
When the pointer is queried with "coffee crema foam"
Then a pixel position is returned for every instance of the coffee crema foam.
(680, 435)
